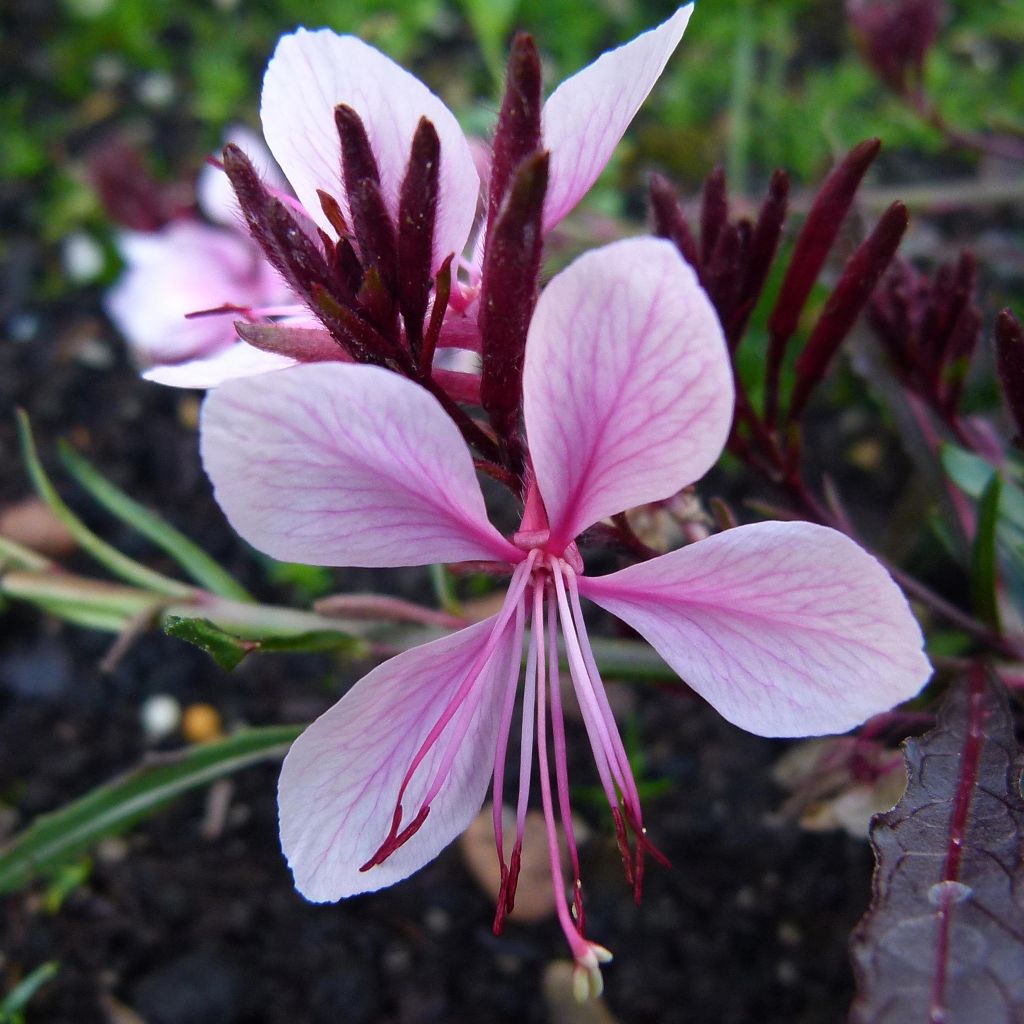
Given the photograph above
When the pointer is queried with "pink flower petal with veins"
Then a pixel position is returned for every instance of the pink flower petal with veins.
(342, 464)
(787, 629)
(627, 388)
(587, 114)
(237, 360)
(309, 75)
(342, 776)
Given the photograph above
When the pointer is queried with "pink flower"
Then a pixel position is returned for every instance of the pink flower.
(310, 76)
(786, 628)
(189, 266)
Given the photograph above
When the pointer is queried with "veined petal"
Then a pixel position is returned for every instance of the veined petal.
(586, 116)
(788, 629)
(309, 75)
(342, 776)
(627, 388)
(345, 464)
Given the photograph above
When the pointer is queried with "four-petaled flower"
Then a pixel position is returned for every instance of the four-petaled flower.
(788, 629)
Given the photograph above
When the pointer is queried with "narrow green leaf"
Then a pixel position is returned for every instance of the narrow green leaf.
(112, 808)
(972, 474)
(15, 1002)
(16, 556)
(108, 556)
(196, 562)
(984, 572)
(225, 649)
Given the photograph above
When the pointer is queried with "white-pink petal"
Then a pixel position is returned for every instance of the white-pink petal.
(186, 267)
(345, 464)
(788, 629)
(237, 360)
(342, 776)
(309, 75)
(587, 114)
(627, 388)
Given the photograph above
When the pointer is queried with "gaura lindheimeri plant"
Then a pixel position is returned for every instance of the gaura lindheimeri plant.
(788, 629)
(387, 238)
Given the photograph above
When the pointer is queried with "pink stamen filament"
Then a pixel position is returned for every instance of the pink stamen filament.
(561, 763)
(579, 946)
(519, 581)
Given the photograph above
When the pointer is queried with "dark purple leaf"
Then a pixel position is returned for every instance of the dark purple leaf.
(813, 244)
(856, 283)
(417, 211)
(943, 941)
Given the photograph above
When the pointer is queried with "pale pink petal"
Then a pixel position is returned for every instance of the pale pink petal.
(587, 114)
(184, 268)
(627, 388)
(309, 75)
(214, 194)
(788, 629)
(237, 360)
(342, 776)
(344, 464)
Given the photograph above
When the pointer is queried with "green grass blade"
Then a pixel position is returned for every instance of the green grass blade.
(196, 562)
(984, 568)
(120, 565)
(65, 834)
(14, 1004)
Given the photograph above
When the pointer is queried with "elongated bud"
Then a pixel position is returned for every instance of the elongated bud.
(1010, 365)
(813, 244)
(895, 37)
(714, 213)
(670, 223)
(371, 223)
(417, 213)
(517, 134)
(508, 294)
(858, 280)
(130, 195)
(764, 244)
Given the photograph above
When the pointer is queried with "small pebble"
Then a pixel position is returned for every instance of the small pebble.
(160, 715)
(201, 723)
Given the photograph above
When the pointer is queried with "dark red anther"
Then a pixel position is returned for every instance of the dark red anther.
(371, 223)
(670, 223)
(508, 293)
(517, 133)
(858, 280)
(714, 213)
(1010, 365)
(813, 244)
(395, 838)
(417, 213)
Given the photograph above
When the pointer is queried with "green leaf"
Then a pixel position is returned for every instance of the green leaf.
(491, 20)
(225, 648)
(228, 649)
(972, 474)
(15, 1002)
(108, 556)
(66, 834)
(196, 562)
(984, 571)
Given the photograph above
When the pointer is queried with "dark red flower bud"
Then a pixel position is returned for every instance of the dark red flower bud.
(1010, 365)
(669, 221)
(895, 37)
(856, 283)
(508, 293)
(813, 245)
(714, 213)
(130, 195)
